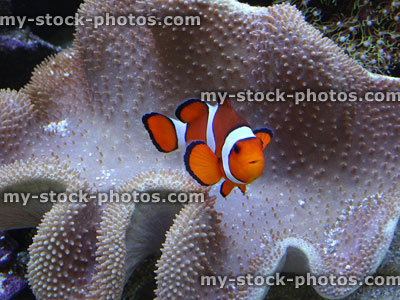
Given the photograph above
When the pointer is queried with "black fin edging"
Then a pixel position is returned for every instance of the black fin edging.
(146, 125)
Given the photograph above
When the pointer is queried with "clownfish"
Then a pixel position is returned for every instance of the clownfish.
(220, 143)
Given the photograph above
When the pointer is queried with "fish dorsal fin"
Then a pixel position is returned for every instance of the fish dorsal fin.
(226, 102)
(162, 131)
(202, 163)
(190, 110)
(265, 135)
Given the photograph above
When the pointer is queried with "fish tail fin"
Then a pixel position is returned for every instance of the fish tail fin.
(165, 133)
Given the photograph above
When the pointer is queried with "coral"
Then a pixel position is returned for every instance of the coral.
(16, 112)
(90, 249)
(20, 51)
(149, 219)
(192, 248)
(328, 194)
(367, 31)
(141, 283)
(7, 248)
(11, 283)
(34, 177)
(57, 77)
(81, 247)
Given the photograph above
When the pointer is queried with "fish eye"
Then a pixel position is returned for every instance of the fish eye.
(236, 148)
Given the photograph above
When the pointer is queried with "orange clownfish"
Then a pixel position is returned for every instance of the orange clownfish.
(220, 143)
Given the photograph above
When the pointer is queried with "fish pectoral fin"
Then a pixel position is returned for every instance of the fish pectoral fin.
(190, 110)
(265, 135)
(226, 188)
(162, 131)
(202, 163)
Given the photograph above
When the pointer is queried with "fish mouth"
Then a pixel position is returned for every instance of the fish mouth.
(254, 161)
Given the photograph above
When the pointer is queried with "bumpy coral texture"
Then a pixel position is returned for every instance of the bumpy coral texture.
(33, 176)
(329, 188)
